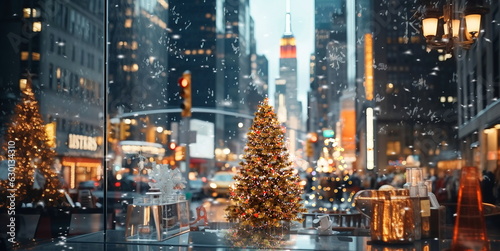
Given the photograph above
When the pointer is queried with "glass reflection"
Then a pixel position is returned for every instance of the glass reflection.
(104, 75)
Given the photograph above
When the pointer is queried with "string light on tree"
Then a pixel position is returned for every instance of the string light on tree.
(266, 191)
(35, 180)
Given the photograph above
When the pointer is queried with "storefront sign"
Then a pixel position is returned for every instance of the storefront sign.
(82, 142)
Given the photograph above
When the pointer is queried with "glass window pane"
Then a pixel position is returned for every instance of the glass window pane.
(105, 101)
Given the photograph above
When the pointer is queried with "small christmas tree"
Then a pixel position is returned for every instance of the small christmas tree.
(266, 190)
(31, 178)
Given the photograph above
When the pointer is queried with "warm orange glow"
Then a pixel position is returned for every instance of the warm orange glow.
(348, 118)
(288, 49)
(183, 82)
(473, 23)
(313, 137)
(287, 41)
(288, 52)
(429, 26)
(469, 232)
(369, 66)
(172, 145)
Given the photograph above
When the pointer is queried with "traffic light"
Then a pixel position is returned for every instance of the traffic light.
(312, 138)
(124, 130)
(185, 92)
(180, 153)
(172, 145)
(113, 132)
(308, 149)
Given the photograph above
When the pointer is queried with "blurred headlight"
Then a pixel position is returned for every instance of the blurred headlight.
(213, 185)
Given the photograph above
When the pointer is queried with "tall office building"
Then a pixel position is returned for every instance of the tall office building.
(259, 71)
(331, 99)
(57, 44)
(406, 97)
(329, 60)
(215, 41)
(138, 69)
(234, 38)
(159, 41)
(288, 108)
(192, 47)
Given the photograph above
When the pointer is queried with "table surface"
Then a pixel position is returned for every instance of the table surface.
(218, 240)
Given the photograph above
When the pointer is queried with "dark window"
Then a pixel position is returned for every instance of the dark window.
(82, 57)
(52, 43)
(51, 76)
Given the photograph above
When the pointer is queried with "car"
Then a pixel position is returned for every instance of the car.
(196, 188)
(89, 184)
(219, 184)
(132, 183)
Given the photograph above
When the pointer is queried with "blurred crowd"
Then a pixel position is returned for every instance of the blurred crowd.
(445, 184)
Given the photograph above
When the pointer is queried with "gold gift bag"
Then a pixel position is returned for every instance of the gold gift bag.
(392, 217)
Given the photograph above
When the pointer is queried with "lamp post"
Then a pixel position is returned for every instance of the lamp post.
(451, 25)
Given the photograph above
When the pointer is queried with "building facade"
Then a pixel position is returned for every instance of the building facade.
(57, 44)
(287, 106)
(406, 97)
(478, 82)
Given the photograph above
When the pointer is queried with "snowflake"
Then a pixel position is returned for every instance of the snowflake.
(335, 59)
(166, 180)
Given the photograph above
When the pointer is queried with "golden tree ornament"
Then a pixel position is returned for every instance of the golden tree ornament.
(266, 192)
(31, 177)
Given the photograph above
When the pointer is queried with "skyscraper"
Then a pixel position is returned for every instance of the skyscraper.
(332, 106)
(59, 44)
(287, 106)
(330, 60)
(138, 59)
(214, 39)
(399, 90)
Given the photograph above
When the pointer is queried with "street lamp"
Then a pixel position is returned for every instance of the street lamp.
(447, 26)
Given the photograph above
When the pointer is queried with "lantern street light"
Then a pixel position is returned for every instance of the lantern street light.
(451, 25)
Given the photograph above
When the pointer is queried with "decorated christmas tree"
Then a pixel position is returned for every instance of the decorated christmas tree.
(29, 157)
(266, 192)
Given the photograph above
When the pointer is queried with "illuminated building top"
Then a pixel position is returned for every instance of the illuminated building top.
(287, 42)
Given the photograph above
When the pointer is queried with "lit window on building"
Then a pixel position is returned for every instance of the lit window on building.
(22, 84)
(128, 23)
(134, 45)
(35, 56)
(24, 55)
(37, 26)
(393, 148)
(29, 12)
